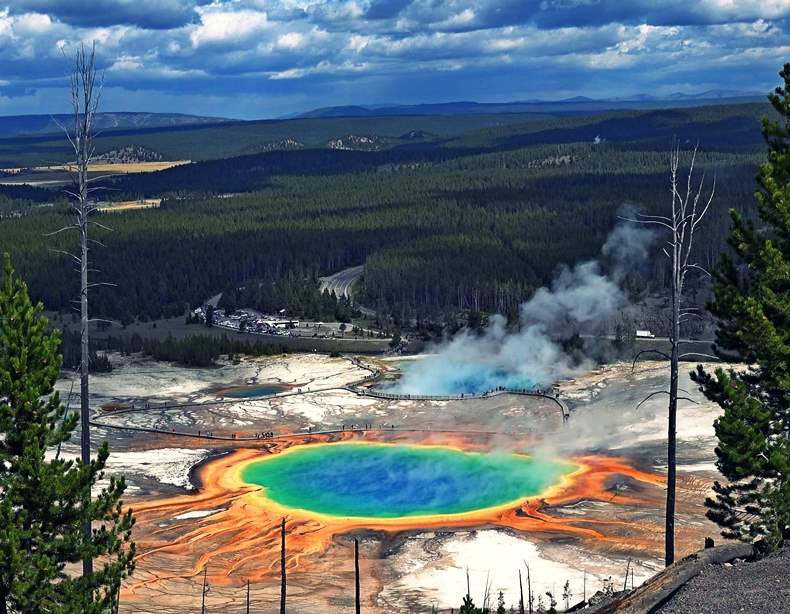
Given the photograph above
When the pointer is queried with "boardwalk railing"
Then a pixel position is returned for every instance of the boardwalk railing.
(381, 394)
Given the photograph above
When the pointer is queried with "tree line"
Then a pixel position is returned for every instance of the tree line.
(476, 232)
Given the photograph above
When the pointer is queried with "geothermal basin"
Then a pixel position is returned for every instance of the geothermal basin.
(432, 489)
(369, 480)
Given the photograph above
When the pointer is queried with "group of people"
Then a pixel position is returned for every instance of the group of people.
(263, 435)
(365, 426)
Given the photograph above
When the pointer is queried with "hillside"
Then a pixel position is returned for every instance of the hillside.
(235, 138)
(447, 214)
(731, 125)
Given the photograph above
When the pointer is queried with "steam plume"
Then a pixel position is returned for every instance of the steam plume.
(578, 300)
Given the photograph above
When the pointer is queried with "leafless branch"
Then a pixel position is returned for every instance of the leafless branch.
(64, 229)
(636, 358)
(65, 253)
(100, 225)
(655, 217)
(646, 222)
(699, 268)
(688, 354)
(102, 283)
(650, 396)
(100, 320)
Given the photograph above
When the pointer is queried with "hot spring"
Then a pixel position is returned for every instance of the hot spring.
(425, 377)
(370, 480)
(251, 391)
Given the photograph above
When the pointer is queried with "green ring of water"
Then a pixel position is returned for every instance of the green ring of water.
(368, 480)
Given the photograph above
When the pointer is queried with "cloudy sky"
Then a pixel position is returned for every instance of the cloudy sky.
(267, 58)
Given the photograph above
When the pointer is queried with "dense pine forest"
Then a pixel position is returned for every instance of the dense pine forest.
(471, 221)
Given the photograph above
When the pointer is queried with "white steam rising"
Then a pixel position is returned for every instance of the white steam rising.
(579, 299)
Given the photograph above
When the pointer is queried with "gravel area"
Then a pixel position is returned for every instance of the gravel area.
(762, 586)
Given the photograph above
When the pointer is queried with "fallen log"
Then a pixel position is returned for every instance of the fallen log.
(653, 593)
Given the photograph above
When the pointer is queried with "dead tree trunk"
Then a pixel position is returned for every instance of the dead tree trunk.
(282, 567)
(529, 589)
(204, 591)
(654, 592)
(521, 594)
(687, 212)
(627, 569)
(356, 576)
(672, 418)
(85, 95)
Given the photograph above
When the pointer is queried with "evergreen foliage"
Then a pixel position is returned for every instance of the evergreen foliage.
(299, 297)
(468, 607)
(752, 304)
(203, 350)
(190, 351)
(501, 603)
(46, 500)
(478, 228)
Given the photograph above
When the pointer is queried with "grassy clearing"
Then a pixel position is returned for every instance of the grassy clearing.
(130, 205)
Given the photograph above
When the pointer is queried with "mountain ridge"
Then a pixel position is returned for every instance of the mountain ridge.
(571, 105)
(41, 124)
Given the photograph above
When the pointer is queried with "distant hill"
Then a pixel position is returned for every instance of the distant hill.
(30, 125)
(575, 105)
(403, 132)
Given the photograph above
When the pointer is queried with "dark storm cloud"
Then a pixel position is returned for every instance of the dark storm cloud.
(155, 14)
(278, 53)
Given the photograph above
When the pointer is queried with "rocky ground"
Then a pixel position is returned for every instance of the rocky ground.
(416, 569)
(760, 586)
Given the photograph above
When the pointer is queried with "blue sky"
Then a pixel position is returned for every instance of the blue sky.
(267, 58)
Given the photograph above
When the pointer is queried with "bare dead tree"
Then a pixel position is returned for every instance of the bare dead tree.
(520, 594)
(584, 586)
(357, 600)
(530, 598)
(627, 570)
(690, 204)
(205, 590)
(487, 592)
(282, 567)
(85, 92)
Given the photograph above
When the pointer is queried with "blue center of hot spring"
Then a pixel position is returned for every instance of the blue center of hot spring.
(454, 378)
(391, 481)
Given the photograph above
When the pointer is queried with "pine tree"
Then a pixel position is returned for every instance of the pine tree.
(469, 607)
(501, 604)
(46, 499)
(752, 304)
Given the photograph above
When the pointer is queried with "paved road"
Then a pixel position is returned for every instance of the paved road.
(342, 284)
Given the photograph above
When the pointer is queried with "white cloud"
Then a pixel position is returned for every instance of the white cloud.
(33, 23)
(228, 45)
(219, 26)
(291, 40)
(745, 9)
